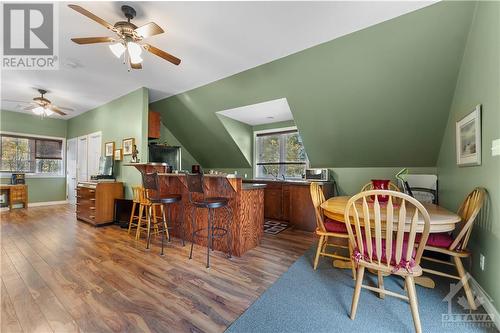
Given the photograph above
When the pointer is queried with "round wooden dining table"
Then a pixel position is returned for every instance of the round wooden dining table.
(441, 220)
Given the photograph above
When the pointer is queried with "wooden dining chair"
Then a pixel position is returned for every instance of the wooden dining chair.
(369, 187)
(137, 199)
(456, 247)
(327, 228)
(377, 236)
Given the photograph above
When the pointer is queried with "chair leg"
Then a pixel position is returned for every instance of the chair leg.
(165, 221)
(209, 237)
(353, 265)
(412, 296)
(463, 277)
(131, 218)
(357, 291)
(169, 215)
(155, 219)
(193, 219)
(318, 251)
(183, 227)
(380, 278)
(164, 228)
(139, 223)
(148, 238)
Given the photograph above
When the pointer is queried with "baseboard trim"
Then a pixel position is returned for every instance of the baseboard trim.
(488, 303)
(47, 203)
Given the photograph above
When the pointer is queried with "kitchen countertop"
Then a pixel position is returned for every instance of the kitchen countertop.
(252, 186)
(286, 181)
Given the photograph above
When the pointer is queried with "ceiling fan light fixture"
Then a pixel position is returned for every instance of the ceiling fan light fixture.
(48, 112)
(117, 49)
(38, 111)
(135, 51)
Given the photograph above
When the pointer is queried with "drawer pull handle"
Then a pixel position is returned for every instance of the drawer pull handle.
(92, 191)
(92, 199)
(93, 208)
(78, 196)
(92, 216)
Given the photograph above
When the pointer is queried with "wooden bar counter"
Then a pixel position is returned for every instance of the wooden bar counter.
(246, 202)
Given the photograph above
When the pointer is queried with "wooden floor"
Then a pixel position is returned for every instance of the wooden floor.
(61, 275)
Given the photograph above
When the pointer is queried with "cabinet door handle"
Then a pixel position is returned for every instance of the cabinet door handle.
(92, 199)
(93, 208)
(92, 216)
(92, 191)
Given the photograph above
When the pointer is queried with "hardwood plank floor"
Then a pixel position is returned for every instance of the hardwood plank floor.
(62, 275)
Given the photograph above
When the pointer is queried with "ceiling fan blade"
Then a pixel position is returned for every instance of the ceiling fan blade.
(162, 54)
(92, 40)
(15, 101)
(66, 109)
(91, 16)
(29, 108)
(56, 110)
(148, 30)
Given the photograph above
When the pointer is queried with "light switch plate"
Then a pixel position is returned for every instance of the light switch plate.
(495, 147)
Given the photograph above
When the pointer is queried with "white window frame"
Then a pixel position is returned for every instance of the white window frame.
(40, 175)
(268, 131)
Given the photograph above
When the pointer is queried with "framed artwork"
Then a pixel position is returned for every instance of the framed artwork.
(468, 132)
(118, 154)
(128, 145)
(109, 148)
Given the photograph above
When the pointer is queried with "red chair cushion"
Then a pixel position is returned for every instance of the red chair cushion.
(442, 240)
(383, 258)
(335, 226)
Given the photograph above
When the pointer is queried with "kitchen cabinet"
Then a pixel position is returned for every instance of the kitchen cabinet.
(154, 125)
(290, 201)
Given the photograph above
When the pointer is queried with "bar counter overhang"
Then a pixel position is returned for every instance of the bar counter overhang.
(246, 202)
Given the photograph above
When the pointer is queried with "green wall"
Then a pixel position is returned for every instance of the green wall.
(35, 125)
(167, 137)
(242, 135)
(359, 100)
(478, 83)
(124, 117)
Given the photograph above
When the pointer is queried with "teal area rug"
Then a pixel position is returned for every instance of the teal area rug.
(304, 300)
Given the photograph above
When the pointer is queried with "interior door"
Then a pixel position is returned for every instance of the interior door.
(71, 156)
(81, 159)
(94, 153)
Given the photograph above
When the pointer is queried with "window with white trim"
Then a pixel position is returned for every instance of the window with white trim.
(33, 155)
(280, 154)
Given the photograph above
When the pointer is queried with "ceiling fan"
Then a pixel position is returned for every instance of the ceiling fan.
(129, 38)
(42, 106)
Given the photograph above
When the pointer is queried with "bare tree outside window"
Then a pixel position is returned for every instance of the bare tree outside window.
(280, 154)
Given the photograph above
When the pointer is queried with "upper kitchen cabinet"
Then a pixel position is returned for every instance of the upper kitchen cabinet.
(154, 124)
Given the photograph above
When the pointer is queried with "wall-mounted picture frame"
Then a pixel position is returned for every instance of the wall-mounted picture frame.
(118, 156)
(128, 146)
(109, 148)
(468, 138)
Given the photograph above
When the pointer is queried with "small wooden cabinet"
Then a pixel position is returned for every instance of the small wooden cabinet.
(154, 125)
(17, 194)
(95, 201)
(291, 202)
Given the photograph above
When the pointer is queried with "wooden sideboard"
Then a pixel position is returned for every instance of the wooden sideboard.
(18, 194)
(95, 201)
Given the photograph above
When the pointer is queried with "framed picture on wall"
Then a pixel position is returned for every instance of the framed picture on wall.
(468, 132)
(128, 146)
(118, 154)
(109, 148)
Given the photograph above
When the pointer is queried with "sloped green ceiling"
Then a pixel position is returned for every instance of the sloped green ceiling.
(242, 135)
(376, 97)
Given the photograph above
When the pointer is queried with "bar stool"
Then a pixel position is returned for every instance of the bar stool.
(151, 184)
(214, 230)
(138, 197)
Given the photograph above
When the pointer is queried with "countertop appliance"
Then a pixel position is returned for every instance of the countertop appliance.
(166, 154)
(317, 175)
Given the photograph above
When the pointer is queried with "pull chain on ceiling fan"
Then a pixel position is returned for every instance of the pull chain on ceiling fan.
(129, 38)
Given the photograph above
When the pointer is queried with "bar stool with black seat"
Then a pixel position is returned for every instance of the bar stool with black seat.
(151, 183)
(215, 228)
